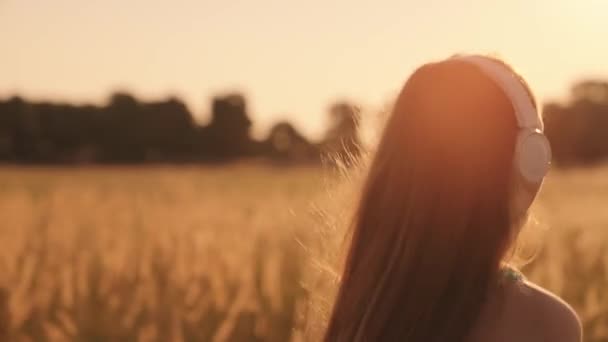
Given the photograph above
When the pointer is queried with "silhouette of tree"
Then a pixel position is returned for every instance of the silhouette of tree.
(122, 135)
(594, 91)
(577, 130)
(227, 135)
(165, 129)
(10, 115)
(342, 139)
(26, 129)
(66, 132)
(563, 131)
(286, 144)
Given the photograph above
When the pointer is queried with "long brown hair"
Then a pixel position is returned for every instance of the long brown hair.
(433, 223)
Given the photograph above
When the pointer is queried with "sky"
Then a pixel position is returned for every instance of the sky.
(291, 59)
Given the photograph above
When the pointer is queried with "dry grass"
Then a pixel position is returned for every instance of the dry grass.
(209, 254)
(573, 261)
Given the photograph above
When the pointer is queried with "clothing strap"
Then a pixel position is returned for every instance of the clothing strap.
(511, 274)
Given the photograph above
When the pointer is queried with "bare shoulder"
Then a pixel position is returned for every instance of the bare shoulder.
(551, 317)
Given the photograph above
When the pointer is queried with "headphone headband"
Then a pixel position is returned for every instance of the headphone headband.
(525, 111)
(532, 151)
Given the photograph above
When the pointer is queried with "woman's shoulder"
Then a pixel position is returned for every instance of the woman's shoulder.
(548, 314)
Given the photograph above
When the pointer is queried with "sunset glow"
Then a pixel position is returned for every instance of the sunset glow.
(290, 58)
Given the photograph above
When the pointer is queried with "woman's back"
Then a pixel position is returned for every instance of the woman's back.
(521, 311)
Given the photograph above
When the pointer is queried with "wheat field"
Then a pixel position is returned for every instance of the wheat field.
(216, 253)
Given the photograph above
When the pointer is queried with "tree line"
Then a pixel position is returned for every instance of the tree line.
(578, 128)
(126, 130)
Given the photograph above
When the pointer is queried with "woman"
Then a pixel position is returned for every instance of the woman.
(460, 162)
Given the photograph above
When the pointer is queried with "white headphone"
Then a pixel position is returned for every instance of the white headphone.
(532, 149)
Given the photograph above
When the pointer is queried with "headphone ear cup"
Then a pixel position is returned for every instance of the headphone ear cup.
(532, 155)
